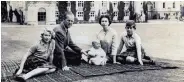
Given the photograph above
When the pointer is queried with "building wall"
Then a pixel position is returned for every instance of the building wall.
(168, 8)
(138, 6)
(115, 9)
(31, 10)
(32, 13)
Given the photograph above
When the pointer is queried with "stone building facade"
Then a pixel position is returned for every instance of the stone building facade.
(46, 12)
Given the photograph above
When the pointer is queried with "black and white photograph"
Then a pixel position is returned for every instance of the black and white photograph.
(92, 41)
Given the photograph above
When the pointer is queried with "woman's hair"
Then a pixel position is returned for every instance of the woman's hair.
(49, 31)
(105, 16)
(131, 23)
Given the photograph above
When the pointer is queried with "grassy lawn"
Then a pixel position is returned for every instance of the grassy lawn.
(159, 40)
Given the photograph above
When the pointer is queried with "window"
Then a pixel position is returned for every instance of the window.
(104, 3)
(80, 14)
(92, 4)
(92, 14)
(114, 4)
(173, 4)
(69, 4)
(57, 13)
(80, 3)
(163, 5)
(153, 4)
(115, 13)
(41, 14)
(126, 13)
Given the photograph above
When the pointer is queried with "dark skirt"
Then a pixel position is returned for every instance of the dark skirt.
(34, 62)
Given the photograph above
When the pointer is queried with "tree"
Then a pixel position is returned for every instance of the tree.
(17, 15)
(73, 9)
(145, 9)
(98, 16)
(121, 13)
(62, 7)
(4, 12)
(110, 11)
(86, 10)
(131, 9)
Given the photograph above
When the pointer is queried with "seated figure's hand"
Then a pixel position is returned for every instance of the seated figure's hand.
(83, 52)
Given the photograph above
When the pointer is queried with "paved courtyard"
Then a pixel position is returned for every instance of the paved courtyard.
(160, 41)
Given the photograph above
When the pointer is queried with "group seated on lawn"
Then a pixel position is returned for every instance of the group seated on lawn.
(57, 50)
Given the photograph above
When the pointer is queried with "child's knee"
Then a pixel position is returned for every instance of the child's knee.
(130, 59)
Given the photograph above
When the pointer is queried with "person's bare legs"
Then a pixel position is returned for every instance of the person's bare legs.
(50, 70)
(36, 71)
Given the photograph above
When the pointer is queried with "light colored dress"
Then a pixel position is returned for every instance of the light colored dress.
(108, 41)
(39, 58)
(97, 56)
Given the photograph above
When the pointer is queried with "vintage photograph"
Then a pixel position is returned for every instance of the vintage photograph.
(92, 41)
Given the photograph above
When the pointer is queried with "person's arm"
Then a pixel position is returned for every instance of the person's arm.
(59, 46)
(60, 50)
(91, 52)
(103, 55)
(138, 48)
(52, 52)
(114, 47)
(120, 46)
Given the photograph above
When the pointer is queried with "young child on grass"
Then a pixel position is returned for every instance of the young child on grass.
(96, 55)
(39, 58)
(132, 42)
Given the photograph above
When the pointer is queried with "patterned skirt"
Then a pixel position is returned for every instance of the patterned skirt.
(34, 62)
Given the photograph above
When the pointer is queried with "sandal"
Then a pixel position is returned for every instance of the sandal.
(19, 78)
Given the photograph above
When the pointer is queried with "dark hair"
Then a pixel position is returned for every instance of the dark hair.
(94, 42)
(105, 16)
(131, 23)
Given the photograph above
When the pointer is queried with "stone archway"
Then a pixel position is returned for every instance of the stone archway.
(42, 16)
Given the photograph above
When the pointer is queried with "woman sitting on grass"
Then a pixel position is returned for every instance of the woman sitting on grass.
(39, 58)
(134, 52)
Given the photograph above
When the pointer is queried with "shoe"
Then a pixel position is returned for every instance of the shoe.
(15, 71)
(152, 62)
(19, 78)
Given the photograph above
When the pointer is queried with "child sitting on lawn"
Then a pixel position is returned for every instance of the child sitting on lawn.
(39, 58)
(96, 55)
(132, 42)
